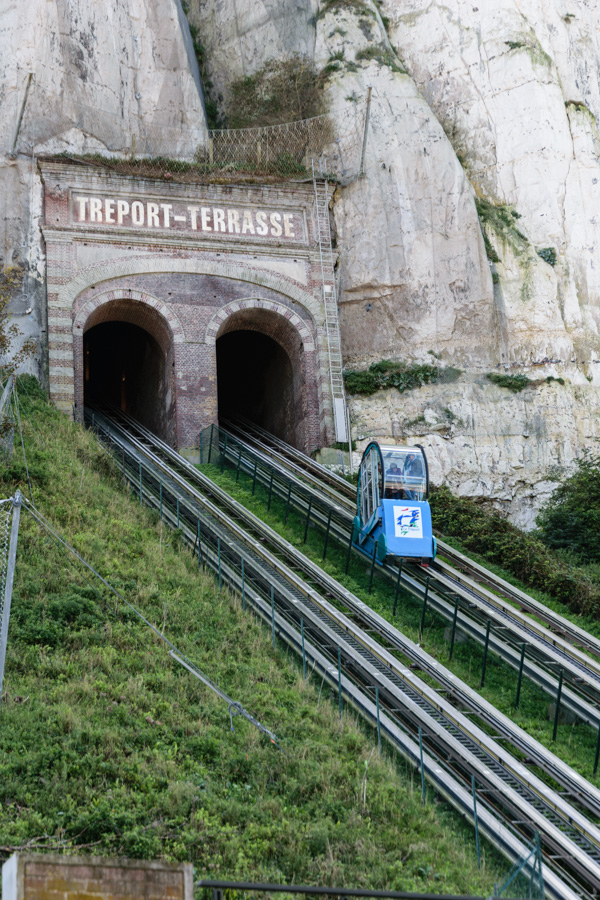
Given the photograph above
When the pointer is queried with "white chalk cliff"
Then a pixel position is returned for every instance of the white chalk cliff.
(488, 100)
(105, 78)
(500, 102)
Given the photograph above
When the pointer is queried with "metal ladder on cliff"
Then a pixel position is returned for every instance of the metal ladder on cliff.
(332, 327)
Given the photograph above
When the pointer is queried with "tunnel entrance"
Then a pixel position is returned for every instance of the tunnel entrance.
(125, 365)
(255, 379)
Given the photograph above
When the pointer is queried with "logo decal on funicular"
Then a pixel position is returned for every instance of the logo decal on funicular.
(408, 522)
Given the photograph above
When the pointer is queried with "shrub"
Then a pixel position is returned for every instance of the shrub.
(570, 520)
(283, 90)
(548, 254)
(514, 383)
(386, 374)
(522, 554)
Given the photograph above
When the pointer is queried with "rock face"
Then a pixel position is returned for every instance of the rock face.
(104, 79)
(500, 105)
(494, 104)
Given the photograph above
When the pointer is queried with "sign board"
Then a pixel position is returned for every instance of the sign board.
(177, 214)
(408, 522)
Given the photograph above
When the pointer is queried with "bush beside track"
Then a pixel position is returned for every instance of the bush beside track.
(523, 555)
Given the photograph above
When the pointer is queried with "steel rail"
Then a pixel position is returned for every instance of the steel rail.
(548, 647)
(538, 669)
(474, 573)
(579, 858)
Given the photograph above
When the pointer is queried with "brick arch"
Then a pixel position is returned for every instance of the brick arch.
(281, 284)
(299, 426)
(155, 318)
(218, 324)
(96, 307)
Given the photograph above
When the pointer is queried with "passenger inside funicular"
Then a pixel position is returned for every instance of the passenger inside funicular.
(404, 473)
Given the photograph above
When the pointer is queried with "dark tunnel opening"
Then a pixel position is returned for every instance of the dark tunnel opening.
(124, 365)
(255, 379)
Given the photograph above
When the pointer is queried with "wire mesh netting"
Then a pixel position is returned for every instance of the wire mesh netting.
(526, 879)
(7, 422)
(184, 150)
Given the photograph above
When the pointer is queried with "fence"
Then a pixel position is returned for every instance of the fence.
(218, 890)
(50, 125)
(7, 422)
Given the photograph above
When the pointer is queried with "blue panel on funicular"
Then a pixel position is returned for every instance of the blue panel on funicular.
(393, 516)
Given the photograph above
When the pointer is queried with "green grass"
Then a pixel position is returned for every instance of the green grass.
(575, 743)
(108, 747)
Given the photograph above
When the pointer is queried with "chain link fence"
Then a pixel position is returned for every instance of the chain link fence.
(51, 126)
(7, 422)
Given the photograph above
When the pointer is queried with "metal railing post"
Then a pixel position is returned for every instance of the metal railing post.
(8, 584)
(327, 533)
(520, 678)
(485, 653)
(397, 586)
(424, 608)
(557, 710)
(307, 520)
(453, 634)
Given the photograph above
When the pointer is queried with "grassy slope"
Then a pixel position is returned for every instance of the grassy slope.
(106, 746)
(575, 743)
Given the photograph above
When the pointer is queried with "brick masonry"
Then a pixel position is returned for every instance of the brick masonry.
(53, 877)
(187, 283)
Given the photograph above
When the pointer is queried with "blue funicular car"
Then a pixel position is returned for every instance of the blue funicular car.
(393, 517)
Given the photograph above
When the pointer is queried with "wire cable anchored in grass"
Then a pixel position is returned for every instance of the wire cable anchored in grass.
(235, 708)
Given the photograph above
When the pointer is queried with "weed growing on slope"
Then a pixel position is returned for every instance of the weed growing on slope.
(108, 747)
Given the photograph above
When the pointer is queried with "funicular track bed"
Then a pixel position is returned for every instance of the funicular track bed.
(558, 655)
(351, 659)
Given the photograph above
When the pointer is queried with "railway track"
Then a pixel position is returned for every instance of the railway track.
(312, 612)
(556, 652)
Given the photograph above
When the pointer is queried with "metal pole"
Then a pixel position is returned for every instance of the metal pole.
(224, 454)
(237, 474)
(307, 520)
(8, 586)
(556, 711)
(398, 586)
(597, 751)
(485, 653)
(476, 819)
(273, 614)
(349, 549)
(453, 628)
(424, 608)
(378, 720)
(161, 501)
(270, 489)
(254, 476)
(287, 503)
(520, 678)
(219, 559)
(340, 680)
(178, 512)
(199, 546)
(422, 769)
(13, 152)
(327, 533)
(303, 649)
(212, 427)
(140, 484)
(372, 567)
(366, 129)
(243, 586)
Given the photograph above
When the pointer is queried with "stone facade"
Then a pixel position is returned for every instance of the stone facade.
(188, 264)
(29, 876)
